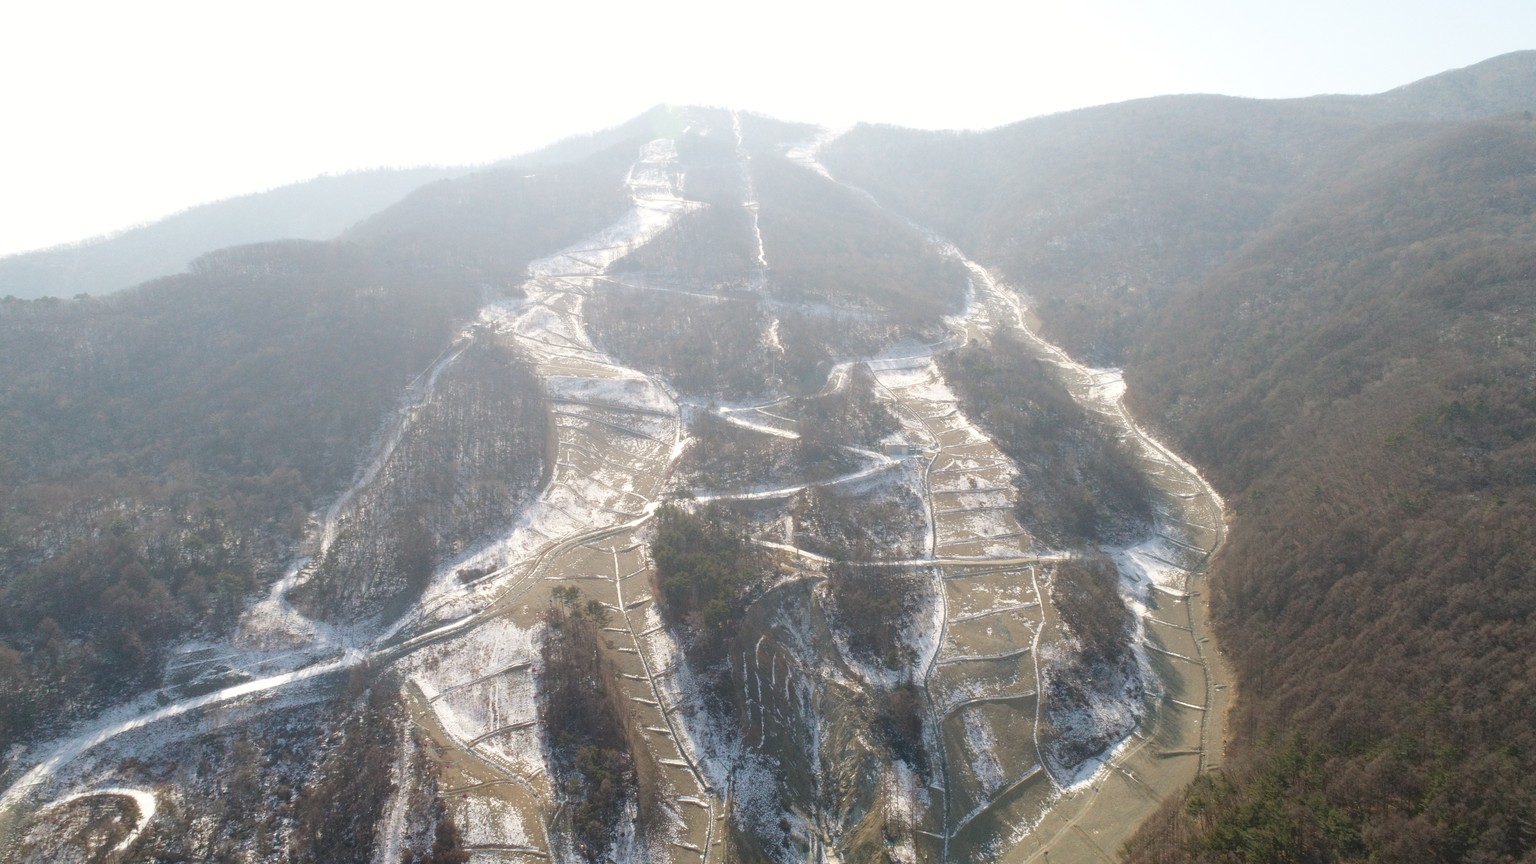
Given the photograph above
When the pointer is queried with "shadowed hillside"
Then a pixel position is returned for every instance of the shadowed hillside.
(161, 448)
(1361, 386)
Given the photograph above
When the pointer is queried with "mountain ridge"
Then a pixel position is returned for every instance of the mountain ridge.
(316, 209)
(162, 247)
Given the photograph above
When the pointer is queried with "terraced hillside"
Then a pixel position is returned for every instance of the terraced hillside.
(816, 618)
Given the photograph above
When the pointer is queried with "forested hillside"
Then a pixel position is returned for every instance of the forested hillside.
(162, 448)
(1326, 305)
(1077, 484)
(318, 209)
(1377, 597)
(1101, 214)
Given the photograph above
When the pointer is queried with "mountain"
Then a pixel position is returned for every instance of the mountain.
(1501, 85)
(716, 488)
(350, 474)
(1099, 214)
(1368, 394)
(1325, 314)
(317, 209)
(224, 402)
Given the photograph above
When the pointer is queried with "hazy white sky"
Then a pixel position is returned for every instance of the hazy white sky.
(116, 113)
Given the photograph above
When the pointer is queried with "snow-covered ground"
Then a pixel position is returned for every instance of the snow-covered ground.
(480, 687)
(33, 785)
(618, 432)
(874, 464)
(981, 750)
(622, 393)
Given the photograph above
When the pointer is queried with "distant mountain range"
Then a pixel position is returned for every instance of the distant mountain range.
(317, 209)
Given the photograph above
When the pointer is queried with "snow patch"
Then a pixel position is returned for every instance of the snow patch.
(144, 801)
(981, 750)
(639, 394)
(488, 821)
(1149, 560)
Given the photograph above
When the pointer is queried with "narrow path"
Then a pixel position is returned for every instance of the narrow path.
(706, 793)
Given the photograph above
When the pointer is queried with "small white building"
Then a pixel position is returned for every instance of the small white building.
(897, 447)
